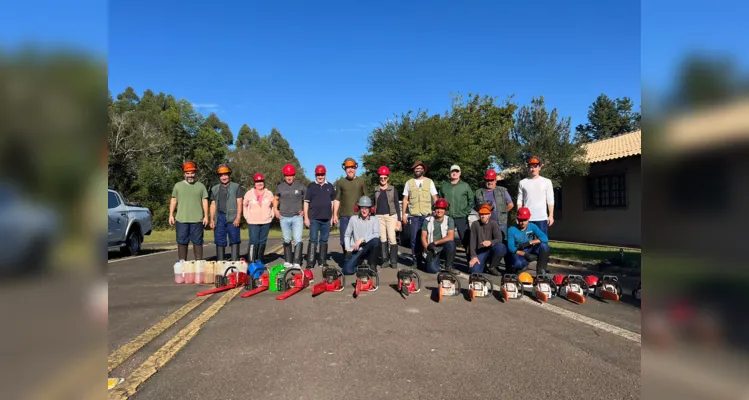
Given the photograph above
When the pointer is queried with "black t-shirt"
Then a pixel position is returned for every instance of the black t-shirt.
(383, 208)
(320, 199)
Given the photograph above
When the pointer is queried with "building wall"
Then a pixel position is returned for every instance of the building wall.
(577, 221)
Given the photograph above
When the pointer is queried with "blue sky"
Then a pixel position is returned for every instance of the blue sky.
(324, 75)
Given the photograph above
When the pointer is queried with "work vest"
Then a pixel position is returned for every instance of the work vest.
(231, 202)
(390, 193)
(499, 200)
(430, 227)
(419, 199)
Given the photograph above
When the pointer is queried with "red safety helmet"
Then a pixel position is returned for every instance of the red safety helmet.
(558, 279)
(490, 175)
(189, 167)
(524, 213)
(591, 280)
(258, 177)
(383, 171)
(441, 203)
(320, 170)
(289, 170)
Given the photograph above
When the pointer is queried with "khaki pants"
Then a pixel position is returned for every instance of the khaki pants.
(387, 228)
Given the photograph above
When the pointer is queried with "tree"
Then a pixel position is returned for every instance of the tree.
(247, 137)
(213, 122)
(608, 118)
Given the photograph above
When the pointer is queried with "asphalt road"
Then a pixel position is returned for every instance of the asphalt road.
(376, 346)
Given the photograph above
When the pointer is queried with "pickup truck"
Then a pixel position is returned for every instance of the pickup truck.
(128, 224)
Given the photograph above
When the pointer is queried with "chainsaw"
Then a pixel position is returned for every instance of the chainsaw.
(275, 277)
(333, 280)
(479, 286)
(448, 284)
(574, 288)
(608, 288)
(259, 279)
(408, 282)
(544, 288)
(511, 287)
(367, 280)
(231, 279)
(294, 281)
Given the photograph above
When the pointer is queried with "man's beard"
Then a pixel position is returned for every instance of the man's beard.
(418, 174)
(190, 179)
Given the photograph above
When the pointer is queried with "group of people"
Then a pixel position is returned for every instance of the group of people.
(440, 219)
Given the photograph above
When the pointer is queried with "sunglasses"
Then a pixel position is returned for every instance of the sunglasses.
(383, 177)
(534, 166)
(320, 175)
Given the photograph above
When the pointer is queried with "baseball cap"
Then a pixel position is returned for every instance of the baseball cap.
(455, 167)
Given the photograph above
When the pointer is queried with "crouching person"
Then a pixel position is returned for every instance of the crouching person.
(362, 238)
(437, 238)
(527, 243)
(486, 243)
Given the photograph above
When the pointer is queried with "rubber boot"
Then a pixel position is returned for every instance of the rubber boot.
(372, 259)
(287, 253)
(251, 253)
(197, 249)
(393, 256)
(384, 256)
(492, 268)
(311, 250)
(182, 252)
(235, 252)
(543, 261)
(449, 261)
(298, 254)
(260, 253)
(324, 254)
(220, 253)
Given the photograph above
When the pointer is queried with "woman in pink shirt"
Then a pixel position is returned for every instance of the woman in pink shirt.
(258, 212)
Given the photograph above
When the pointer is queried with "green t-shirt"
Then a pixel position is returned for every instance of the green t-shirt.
(348, 193)
(437, 231)
(189, 201)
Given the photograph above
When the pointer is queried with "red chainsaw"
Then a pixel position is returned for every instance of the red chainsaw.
(232, 279)
(408, 282)
(333, 280)
(367, 280)
(258, 284)
(294, 281)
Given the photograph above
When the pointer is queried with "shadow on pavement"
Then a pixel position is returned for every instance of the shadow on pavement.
(115, 255)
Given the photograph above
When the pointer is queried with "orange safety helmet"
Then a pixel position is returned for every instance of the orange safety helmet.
(320, 170)
(525, 278)
(223, 169)
(289, 170)
(490, 175)
(524, 213)
(189, 167)
(258, 178)
(383, 171)
(534, 160)
(441, 203)
(485, 209)
(349, 162)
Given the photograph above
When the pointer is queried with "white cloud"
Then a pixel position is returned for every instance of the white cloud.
(205, 105)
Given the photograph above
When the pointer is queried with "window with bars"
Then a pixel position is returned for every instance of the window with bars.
(607, 191)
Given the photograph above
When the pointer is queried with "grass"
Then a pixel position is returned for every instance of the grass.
(169, 235)
(581, 252)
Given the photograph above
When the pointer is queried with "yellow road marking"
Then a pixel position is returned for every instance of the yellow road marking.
(124, 352)
(170, 349)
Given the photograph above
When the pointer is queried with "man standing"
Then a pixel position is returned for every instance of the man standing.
(459, 197)
(438, 238)
(486, 243)
(419, 194)
(362, 237)
(348, 190)
(289, 207)
(387, 211)
(318, 215)
(190, 198)
(497, 197)
(226, 213)
(537, 193)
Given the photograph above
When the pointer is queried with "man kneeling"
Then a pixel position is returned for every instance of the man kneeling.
(437, 237)
(527, 243)
(362, 237)
(486, 242)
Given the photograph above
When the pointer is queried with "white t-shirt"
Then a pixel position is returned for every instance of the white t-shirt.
(419, 182)
(536, 194)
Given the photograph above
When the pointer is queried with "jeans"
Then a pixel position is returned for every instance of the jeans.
(518, 263)
(292, 228)
(319, 228)
(342, 225)
(485, 254)
(349, 267)
(259, 234)
(461, 231)
(415, 223)
(224, 227)
(543, 225)
(441, 250)
(189, 232)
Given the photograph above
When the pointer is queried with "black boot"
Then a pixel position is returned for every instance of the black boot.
(251, 253)
(543, 261)
(287, 255)
(450, 260)
(235, 252)
(197, 249)
(393, 256)
(220, 253)
(260, 253)
(385, 247)
(311, 250)
(298, 254)
(372, 258)
(182, 252)
(492, 268)
(324, 254)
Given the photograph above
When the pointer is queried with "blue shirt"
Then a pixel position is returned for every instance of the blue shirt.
(515, 236)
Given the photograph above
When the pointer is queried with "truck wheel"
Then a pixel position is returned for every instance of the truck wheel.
(132, 245)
